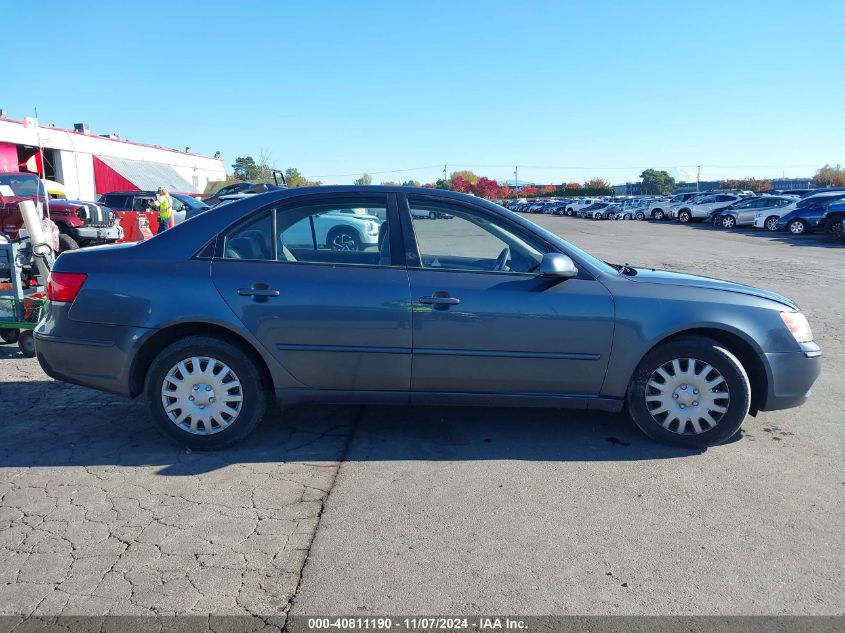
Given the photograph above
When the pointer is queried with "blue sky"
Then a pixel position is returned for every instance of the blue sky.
(566, 90)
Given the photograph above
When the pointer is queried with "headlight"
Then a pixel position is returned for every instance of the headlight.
(798, 325)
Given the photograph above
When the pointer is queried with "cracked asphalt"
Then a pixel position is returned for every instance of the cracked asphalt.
(393, 510)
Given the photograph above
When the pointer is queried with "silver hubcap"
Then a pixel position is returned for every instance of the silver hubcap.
(771, 224)
(796, 227)
(343, 242)
(728, 222)
(687, 396)
(201, 395)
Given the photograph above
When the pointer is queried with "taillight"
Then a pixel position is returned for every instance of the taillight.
(64, 286)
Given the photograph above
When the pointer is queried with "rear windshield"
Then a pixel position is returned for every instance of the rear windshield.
(21, 185)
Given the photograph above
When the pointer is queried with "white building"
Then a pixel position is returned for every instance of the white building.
(88, 164)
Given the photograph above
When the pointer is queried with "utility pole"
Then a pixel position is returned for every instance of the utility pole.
(516, 177)
(444, 173)
(698, 179)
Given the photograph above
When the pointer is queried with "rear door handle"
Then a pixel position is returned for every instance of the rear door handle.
(258, 292)
(440, 301)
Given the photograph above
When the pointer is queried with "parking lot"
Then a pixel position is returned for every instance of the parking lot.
(393, 510)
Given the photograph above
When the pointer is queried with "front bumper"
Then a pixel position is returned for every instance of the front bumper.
(790, 376)
(105, 233)
(89, 354)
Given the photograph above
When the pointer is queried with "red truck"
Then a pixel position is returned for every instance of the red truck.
(80, 223)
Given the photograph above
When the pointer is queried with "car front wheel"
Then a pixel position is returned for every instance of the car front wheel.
(684, 217)
(205, 393)
(690, 392)
(797, 227)
(728, 222)
(771, 223)
(657, 214)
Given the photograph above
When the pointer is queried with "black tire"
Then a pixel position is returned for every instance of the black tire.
(684, 216)
(833, 228)
(9, 335)
(797, 227)
(570, 212)
(26, 343)
(253, 391)
(728, 222)
(640, 215)
(658, 215)
(432, 215)
(344, 239)
(707, 351)
(67, 243)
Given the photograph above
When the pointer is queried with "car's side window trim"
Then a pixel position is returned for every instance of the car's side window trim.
(411, 249)
(389, 201)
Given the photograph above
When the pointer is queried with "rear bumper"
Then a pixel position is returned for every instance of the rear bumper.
(790, 376)
(106, 233)
(88, 354)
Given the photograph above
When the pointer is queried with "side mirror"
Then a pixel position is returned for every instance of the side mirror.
(558, 265)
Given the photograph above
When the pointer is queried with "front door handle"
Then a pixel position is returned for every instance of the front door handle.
(440, 298)
(258, 290)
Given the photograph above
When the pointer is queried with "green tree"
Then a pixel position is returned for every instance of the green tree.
(411, 183)
(657, 182)
(294, 179)
(830, 176)
(244, 168)
(365, 179)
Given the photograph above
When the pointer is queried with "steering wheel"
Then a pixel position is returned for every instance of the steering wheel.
(502, 260)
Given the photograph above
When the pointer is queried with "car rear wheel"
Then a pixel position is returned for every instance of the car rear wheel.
(205, 393)
(657, 214)
(26, 343)
(640, 215)
(728, 222)
(67, 243)
(345, 240)
(432, 215)
(9, 335)
(771, 223)
(684, 217)
(797, 227)
(690, 392)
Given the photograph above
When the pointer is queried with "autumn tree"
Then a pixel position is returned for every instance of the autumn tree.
(657, 182)
(486, 188)
(505, 192)
(748, 184)
(530, 190)
(365, 179)
(572, 185)
(597, 183)
(830, 176)
(466, 174)
(459, 183)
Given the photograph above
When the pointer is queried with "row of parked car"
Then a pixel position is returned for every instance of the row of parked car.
(796, 211)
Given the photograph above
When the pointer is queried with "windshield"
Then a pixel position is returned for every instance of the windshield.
(191, 202)
(20, 185)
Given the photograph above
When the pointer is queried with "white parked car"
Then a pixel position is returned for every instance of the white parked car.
(338, 230)
(744, 212)
(700, 208)
(574, 207)
(769, 219)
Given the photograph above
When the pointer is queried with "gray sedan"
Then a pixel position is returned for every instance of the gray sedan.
(212, 318)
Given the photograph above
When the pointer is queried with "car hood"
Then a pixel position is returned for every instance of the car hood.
(648, 275)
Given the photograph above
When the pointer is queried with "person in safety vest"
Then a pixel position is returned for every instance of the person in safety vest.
(163, 203)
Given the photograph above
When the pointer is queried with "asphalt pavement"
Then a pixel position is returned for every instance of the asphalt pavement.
(397, 510)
